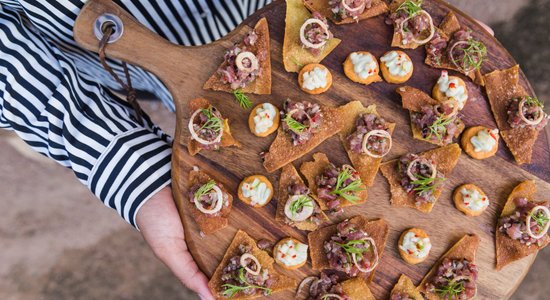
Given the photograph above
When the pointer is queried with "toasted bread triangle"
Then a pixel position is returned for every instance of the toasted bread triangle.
(357, 289)
(294, 55)
(378, 7)
(406, 286)
(207, 224)
(397, 39)
(446, 158)
(313, 169)
(281, 282)
(413, 99)
(507, 249)
(282, 152)
(502, 86)
(366, 165)
(465, 248)
(447, 28)
(227, 139)
(377, 229)
(262, 84)
(290, 176)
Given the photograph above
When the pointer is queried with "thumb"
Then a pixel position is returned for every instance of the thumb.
(180, 262)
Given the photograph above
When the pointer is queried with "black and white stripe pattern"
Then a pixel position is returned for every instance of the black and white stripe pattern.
(55, 95)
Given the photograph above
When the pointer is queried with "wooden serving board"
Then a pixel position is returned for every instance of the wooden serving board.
(185, 69)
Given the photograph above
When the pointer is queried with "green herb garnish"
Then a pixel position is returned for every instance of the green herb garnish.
(410, 7)
(294, 125)
(533, 101)
(451, 290)
(300, 202)
(426, 184)
(439, 127)
(541, 218)
(350, 246)
(347, 192)
(213, 122)
(204, 189)
(242, 99)
(231, 289)
(296, 62)
(474, 53)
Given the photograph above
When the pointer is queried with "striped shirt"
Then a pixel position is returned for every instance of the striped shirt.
(57, 97)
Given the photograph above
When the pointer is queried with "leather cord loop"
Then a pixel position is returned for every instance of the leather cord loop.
(131, 97)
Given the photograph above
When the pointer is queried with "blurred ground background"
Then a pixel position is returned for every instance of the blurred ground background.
(58, 242)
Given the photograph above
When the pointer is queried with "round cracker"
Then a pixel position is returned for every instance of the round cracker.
(251, 179)
(405, 255)
(279, 244)
(392, 78)
(271, 129)
(459, 200)
(438, 95)
(469, 148)
(308, 68)
(350, 72)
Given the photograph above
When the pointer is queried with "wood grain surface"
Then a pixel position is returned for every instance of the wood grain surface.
(184, 70)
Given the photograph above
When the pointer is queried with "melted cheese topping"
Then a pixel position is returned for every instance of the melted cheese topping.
(398, 64)
(263, 120)
(415, 246)
(484, 140)
(257, 192)
(452, 89)
(364, 65)
(291, 253)
(473, 199)
(314, 79)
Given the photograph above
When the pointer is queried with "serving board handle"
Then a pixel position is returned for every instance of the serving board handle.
(179, 67)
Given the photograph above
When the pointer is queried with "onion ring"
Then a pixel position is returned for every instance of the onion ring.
(303, 38)
(528, 222)
(247, 55)
(379, 133)
(348, 8)
(432, 28)
(453, 59)
(410, 174)
(374, 250)
(254, 259)
(304, 285)
(195, 135)
(217, 207)
(522, 116)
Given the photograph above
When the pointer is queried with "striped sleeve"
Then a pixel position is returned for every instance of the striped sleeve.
(67, 116)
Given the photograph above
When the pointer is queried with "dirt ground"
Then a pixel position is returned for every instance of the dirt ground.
(58, 241)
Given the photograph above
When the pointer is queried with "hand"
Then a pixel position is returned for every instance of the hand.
(161, 228)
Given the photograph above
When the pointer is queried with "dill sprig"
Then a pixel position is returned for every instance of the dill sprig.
(294, 125)
(231, 289)
(350, 191)
(533, 101)
(204, 189)
(410, 7)
(426, 184)
(242, 99)
(474, 54)
(350, 246)
(439, 127)
(541, 218)
(451, 290)
(300, 202)
(213, 122)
